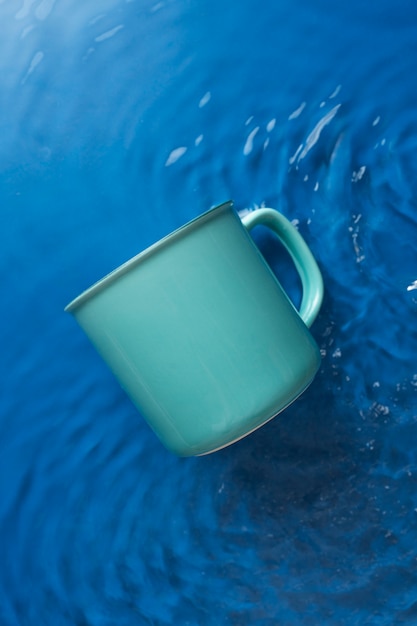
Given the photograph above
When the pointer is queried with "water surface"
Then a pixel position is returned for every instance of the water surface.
(119, 122)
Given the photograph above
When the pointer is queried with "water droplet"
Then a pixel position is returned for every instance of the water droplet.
(298, 111)
(37, 58)
(205, 99)
(248, 147)
(271, 125)
(109, 33)
(335, 92)
(175, 155)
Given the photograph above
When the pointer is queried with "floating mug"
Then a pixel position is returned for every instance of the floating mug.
(200, 333)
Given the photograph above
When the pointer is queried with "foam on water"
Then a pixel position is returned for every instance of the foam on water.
(118, 124)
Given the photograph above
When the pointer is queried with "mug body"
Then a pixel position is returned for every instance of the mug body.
(200, 334)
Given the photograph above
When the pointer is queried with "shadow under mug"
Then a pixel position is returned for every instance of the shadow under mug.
(200, 333)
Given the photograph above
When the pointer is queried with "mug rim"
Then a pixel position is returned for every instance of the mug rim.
(125, 267)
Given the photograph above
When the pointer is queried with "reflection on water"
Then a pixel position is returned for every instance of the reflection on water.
(119, 123)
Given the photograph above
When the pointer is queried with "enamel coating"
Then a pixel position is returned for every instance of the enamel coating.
(200, 334)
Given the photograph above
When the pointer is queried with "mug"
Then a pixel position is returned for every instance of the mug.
(200, 333)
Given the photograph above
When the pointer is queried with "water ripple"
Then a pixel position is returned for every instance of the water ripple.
(118, 125)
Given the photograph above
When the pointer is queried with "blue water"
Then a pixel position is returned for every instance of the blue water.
(119, 122)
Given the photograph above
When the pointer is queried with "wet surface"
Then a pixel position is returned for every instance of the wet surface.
(118, 124)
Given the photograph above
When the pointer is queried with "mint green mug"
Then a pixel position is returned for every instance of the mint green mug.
(201, 335)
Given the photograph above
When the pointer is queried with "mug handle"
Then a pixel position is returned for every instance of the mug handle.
(305, 263)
